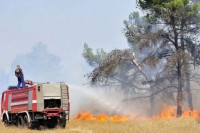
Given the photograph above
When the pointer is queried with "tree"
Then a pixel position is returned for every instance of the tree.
(135, 74)
(172, 26)
(93, 59)
(107, 66)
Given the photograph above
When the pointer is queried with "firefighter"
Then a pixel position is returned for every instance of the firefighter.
(20, 76)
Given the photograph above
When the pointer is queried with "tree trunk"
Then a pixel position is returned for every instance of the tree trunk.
(180, 90)
(189, 93)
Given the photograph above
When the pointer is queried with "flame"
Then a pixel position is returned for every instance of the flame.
(168, 112)
(192, 114)
(118, 118)
(84, 116)
(101, 117)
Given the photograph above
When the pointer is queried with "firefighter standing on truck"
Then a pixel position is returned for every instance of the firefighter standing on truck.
(20, 76)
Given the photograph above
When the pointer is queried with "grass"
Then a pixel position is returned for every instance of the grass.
(154, 126)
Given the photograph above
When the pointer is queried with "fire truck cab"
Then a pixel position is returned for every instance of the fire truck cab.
(38, 104)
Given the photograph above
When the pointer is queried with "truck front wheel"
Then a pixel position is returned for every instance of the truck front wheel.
(6, 122)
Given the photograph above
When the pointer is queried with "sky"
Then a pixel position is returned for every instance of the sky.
(46, 37)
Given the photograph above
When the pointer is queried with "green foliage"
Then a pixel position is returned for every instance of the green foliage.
(177, 4)
(148, 4)
(93, 59)
(167, 6)
(194, 9)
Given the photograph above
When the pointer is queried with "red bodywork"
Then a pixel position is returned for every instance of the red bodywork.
(19, 102)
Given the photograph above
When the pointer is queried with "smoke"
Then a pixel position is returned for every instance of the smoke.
(109, 102)
(39, 65)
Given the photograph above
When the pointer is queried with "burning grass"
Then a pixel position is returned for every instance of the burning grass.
(101, 117)
(84, 122)
(167, 113)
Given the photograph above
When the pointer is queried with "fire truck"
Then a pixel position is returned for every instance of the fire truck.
(38, 104)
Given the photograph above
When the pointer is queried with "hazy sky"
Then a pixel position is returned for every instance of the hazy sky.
(63, 26)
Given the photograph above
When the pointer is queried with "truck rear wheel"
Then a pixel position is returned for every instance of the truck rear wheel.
(52, 122)
(62, 123)
(20, 121)
(26, 123)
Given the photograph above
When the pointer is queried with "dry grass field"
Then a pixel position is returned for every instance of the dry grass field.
(181, 125)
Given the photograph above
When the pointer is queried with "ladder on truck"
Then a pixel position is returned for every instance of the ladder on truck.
(64, 96)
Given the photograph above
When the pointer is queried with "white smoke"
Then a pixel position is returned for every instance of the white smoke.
(110, 101)
(40, 65)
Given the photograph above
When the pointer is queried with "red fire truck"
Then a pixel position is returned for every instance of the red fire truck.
(38, 104)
